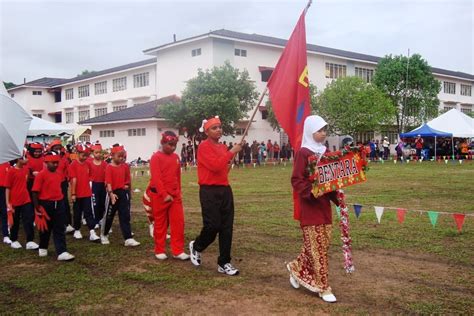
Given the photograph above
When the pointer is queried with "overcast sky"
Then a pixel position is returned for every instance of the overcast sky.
(62, 38)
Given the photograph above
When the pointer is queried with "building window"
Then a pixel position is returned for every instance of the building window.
(141, 80)
(466, 89)
(364, 73)
(38, 115)
(69, 93)
(137, 132)
(85, 138)
(196, 52)
(119, 108)
(240, 52)
(119, 84)
(83, 91)
(335, 71)
(264, 114)
(449, 87)
(364, 137)
(239, 131)
(448, 107)
(69, 117)
(466, 109)
(107, 133)
(100, 111)
(100, 87)
(83, 115)
(37, 92)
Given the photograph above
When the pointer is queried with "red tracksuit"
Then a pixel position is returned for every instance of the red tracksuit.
(166, 180)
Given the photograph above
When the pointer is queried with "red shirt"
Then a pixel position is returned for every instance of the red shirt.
(213, 162)
(81, 172)
(3, 173)
(63, 167)
(97, 171)
(48, 185)
(34, 165)
(117, 176)
(16, 182)
(166, 174)
(313, 211)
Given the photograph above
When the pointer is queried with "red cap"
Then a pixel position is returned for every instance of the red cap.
(35, 146)
(117, 149)
(80, 148)
(51, 157)
(168, 138)
(206, 124)
(96, 147)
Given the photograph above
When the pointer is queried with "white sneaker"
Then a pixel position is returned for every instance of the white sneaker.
(93, 236)
(104, 240)
(84, 222)
(228, 269)
(151, 229)
(42, 252)
(77, 234)
(65, 256)
(96, 226)
(327, 296)
(161, 256)
(131, 243)
(69, 229)
(7, 240)
(15, 245)
(182, 256)
(294, 283)
(31, 245)
(195, 255)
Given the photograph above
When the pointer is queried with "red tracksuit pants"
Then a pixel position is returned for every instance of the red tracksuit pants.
(172, 214)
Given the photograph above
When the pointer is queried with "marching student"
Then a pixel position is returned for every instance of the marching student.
(310, 268)
(35, 163)
(165, 183)
(81, 194)
(19, 203)
(50, 212)
(3, 203)
(98, 166)
(117, 181)
(215, 195)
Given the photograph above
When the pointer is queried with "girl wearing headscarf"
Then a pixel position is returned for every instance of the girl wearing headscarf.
(310, 269)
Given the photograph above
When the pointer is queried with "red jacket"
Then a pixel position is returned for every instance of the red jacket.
(165, 173)
(213, 162)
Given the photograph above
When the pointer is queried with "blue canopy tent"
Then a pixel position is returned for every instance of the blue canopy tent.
(426, 131)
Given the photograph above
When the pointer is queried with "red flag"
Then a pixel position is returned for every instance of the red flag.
(459, 219)
(401, 215)
(289, 85)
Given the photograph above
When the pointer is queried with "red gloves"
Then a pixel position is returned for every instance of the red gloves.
(41, 218)
(10, 213)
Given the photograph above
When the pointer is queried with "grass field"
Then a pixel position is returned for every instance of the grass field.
(400, 268)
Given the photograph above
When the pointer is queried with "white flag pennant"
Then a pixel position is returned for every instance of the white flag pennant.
(378, 212)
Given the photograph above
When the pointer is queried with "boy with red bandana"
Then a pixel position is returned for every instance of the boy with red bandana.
(215, 195)
(98, 166)
(165, 183)
(3, 202)
(35, 162)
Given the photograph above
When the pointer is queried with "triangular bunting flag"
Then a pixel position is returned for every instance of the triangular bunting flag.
(378, 212)
(459, 219)
(357, 209)
(338, 211)
(401, 215)
(433, 217)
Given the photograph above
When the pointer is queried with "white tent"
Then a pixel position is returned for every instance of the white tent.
(454, 122)
(40, 127)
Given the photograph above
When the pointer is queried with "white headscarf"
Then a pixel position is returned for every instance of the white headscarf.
(312, 124)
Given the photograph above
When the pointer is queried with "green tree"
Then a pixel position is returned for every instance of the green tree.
(350, 105)
(86, 72)
(411, 87)
(8, 85)
(224, 91)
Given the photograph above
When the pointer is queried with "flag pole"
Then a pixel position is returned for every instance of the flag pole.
(253, 114)
(307, 6)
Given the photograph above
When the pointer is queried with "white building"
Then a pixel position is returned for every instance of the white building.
(86, 97)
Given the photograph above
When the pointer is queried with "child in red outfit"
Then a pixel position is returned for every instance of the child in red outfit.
(165, 184)
(19, 203)
(3, 202)
(35, 162)
(98, 166)
(81, 194)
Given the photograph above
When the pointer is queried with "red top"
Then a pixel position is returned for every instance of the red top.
(48, 185)
(16, 182)
(62, 167)
(419, 143)
(3, 173)
(34, 165)
(97, 171)
(313, 211)
(212, 163)
(117, 176)
(81, 172)
(166, 174)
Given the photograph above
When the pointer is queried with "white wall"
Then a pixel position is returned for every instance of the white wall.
(36, 104)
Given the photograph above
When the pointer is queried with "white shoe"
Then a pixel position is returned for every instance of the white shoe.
(84, 222)
(131, 243)
(195, 255)
(7, 240)
(15, 245)
(96, 226)
(168, 236)
(182, 256)
(228, 269)
(42, 252)
(151, 229)
(161, 256)
(77, 234)
(31, 245)
(294, 283)
(93, 236)
(328, 297)
(104, 240)
(69, 229)
(65, 256)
